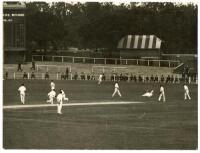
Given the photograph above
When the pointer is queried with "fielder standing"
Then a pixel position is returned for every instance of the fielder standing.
(162, 93)
(52, 84)
(51, 95)
(116, 90)
(187, 92)
(100, 79)
(60, 102)
(22, 90)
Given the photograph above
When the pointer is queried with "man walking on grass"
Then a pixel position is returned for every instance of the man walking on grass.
(60, 102)
(22, 90)
(187, 92)
(162, 94)
(116, 90)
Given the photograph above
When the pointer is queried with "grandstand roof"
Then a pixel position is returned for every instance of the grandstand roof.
(139, 42)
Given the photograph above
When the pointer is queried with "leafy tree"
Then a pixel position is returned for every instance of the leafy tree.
(101, 25)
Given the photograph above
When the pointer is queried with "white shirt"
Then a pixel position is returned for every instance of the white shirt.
(59, 97)
(148, 94)
(162, 89)
(186, 88)
(22, 89)
(52, 94)
(52, 85)
(116, 86)
(100, 76)
(63, 93)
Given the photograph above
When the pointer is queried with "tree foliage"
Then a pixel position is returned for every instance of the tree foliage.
(101, 25)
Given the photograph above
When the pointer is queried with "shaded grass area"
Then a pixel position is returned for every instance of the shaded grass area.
(150, 125)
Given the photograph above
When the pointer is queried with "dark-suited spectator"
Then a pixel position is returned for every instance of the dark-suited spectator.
(32, 75)
(19, 67)
(176, 79)
(187, 70)
(131, 77)
(120, 77)
(140, 78)
(126, 77)
(147, 78)
(6, 75)
(25, 75)
(117, 78)
(103, 77)
(152, 78)
(168, 79)
(92, 76)
(62, 76)
(46, 77)
(134, 78)
(67, 74)
(75, 76)
(172, 79)
(33, 65)
(88, 76)
(82, 76)
(112, 77)
(162, 79)
(183, 75)
(156, 79)
(186, 80)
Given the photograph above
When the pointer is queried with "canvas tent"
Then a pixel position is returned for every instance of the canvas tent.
(140, 45)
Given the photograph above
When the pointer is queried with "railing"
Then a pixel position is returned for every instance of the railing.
(115, 61)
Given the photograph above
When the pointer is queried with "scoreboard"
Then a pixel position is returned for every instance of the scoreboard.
(14, 36)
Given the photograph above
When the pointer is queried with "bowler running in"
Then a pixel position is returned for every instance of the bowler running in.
(22, 90)
(116, 90)
(51, 95)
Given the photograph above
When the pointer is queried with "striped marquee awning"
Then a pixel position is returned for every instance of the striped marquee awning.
(139, 42)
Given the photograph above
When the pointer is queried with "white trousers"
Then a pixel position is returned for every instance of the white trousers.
(161, 96)
(116, 91)
(100, 80)
(187, 95)
(22, 97)
(50, 100)
(59, 107)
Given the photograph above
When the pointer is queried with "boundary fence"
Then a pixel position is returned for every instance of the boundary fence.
(116, 61)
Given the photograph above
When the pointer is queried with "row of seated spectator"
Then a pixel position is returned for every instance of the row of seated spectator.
(25, 75)
(115, 77)
(152, 78)
(84, 76)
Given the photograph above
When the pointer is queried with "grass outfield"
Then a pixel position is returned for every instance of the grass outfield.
(148, 125)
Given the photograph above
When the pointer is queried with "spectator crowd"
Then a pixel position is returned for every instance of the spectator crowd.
(186, 77)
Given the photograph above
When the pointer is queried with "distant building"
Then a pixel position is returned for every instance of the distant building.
(14, 29)
(139, 46)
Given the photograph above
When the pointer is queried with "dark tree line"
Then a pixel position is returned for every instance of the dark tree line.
(101, 25)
